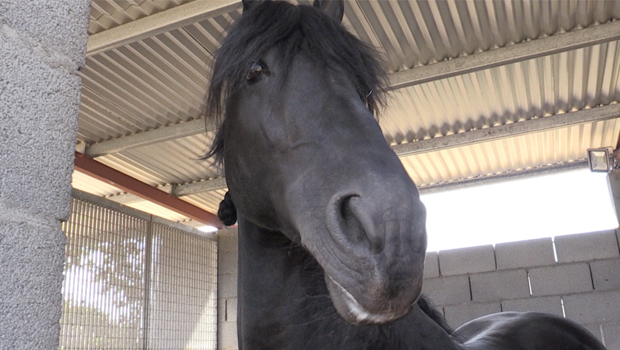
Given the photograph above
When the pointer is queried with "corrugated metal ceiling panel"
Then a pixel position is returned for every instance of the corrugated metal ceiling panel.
(513, 153)
(545, 86)
(161, 81)
(209, 201)
(144, 85)
(106, 14)
(158, 210)
(91, 185)
(414, 33)
(175, 161)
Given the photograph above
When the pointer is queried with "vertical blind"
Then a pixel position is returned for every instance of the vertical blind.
(135, 282)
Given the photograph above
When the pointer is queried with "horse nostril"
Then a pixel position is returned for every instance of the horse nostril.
(345, 207)
(345, 225)
(355, 223)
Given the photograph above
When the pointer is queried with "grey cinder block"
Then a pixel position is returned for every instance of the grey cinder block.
(31, 265)
(549, 305)
(227, 286)
(227, 240)
(612, 335)
(227, 263)
(227, 336)
(606, 274)
(39, 105)
(499, 285)
(593, 307)
(447, 290)
(536, 252)
(221, 309)
(431, 265)
(227, 309)
(66, 33)
(587, 246)
(560, 279)
(231, 310)
(457, 315)
(466, 260)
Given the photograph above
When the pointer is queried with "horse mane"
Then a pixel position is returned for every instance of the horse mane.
(428, 307)
(292, 30)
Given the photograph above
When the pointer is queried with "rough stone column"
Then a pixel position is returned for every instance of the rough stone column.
(42, 46)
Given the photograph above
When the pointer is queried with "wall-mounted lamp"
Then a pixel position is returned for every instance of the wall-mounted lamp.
(601, 159)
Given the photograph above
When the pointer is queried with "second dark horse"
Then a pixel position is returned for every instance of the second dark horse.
(332, 234)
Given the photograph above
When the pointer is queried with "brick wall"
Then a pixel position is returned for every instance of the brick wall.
(467, 283)
(583, 284)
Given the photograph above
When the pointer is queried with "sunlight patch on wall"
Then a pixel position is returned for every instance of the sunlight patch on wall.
(544, 206)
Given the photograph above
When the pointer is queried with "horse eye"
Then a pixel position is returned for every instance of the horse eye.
(255, 72)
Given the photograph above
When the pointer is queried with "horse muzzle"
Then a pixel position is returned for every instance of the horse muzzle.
(380, 255)
(355, 313)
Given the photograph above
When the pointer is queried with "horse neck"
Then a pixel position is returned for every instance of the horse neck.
(284, 304)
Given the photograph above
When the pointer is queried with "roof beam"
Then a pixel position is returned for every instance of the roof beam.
(145, 138)
(158, 23)
(444, 142)
(176, 190)
(198, 187)
(115, 178)
(502, 131)
(509, 54)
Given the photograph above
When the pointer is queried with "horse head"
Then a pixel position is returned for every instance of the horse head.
(304, 155)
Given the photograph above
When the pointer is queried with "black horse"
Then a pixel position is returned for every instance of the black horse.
(332, 234)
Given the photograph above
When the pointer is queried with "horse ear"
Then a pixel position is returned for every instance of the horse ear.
(250, 4)
(333, 8)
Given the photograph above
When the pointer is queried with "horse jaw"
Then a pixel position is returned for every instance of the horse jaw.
(353, 312)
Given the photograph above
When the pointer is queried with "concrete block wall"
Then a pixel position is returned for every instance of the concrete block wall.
(584, 283)
(42, 46)
(227, 289)
(574, 275)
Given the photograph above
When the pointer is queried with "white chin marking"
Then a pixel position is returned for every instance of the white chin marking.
(357, 311)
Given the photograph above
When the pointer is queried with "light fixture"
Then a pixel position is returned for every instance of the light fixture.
(601, 159)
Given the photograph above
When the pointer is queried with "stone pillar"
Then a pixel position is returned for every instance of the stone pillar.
(613, 180)
(42, 46)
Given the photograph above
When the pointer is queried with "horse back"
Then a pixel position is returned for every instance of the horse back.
(526, 331)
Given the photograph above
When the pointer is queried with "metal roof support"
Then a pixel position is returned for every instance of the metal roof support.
(509, 54)
(162, 134)
(177, 190)
(496, 132)
(198, 187)
(158, 23)
(114, 177)
(456, 140)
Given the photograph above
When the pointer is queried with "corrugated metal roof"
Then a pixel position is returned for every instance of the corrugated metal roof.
(107, 14)
(562, 145)
(165, 163)
(99, 188)
(415, 33)
(540, 87)
(160, 81)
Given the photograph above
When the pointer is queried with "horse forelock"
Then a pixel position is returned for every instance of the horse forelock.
(292, 30)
